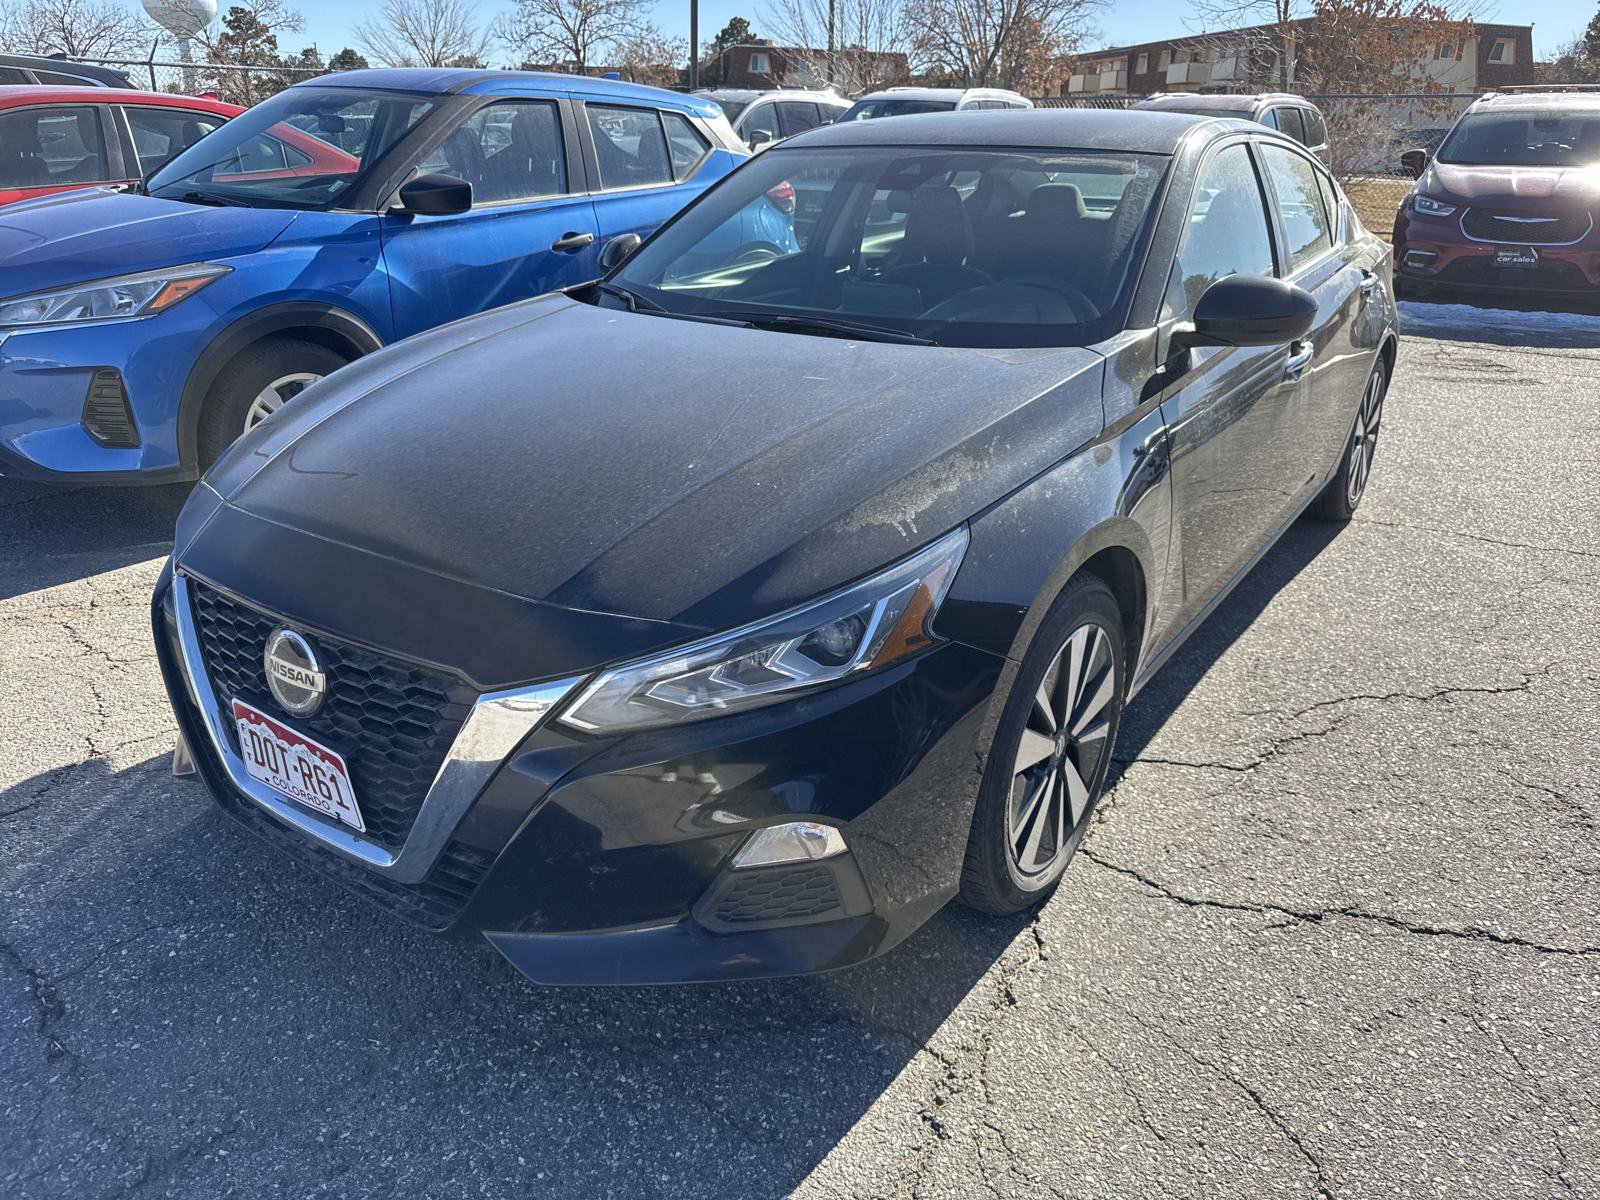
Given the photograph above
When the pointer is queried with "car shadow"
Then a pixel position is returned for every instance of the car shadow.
(173, 945)
(54, 535)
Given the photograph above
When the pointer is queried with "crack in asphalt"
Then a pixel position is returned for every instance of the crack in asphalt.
(48, 1006)
(1476, 537)
(1317, 916)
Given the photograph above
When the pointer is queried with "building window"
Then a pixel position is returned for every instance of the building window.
(760, 64)
(1165, 60)
(1142, 63)
(1447, 50)
(1503, 51)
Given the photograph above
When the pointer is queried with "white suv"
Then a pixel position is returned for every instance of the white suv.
(762, 118)
(908, 101)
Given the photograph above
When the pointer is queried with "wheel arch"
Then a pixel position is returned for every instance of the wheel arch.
(326, 324)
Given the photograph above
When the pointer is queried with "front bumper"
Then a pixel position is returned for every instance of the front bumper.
(607, 861)
(46, 375)
(1434, 254)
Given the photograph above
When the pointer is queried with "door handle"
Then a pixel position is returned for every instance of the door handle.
(1300, 354)
(1369, 280)
(569, 243)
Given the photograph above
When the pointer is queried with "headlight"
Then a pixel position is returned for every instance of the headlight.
(868, 625)
(121, 298)
(1429, 207)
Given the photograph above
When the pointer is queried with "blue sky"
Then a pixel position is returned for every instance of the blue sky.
(1554, 21)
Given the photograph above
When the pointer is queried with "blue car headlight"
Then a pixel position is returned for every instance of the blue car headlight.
(121, 298)
(1429, 207)
(881, 620)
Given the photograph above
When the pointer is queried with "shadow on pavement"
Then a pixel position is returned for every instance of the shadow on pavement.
(53, 535)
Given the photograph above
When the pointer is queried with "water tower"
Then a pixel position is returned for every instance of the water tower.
(183, 19)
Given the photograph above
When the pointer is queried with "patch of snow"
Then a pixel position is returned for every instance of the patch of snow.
(1467, 322)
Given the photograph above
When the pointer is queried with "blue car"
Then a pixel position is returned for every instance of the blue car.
(142, 331)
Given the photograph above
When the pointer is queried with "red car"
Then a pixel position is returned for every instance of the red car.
(1508, 204)
(53, 139)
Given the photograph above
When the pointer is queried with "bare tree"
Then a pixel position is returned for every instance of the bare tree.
(571, 35)
(424, 33)
(854, 55)
(996, 43)
(651, 57)
(76, 28)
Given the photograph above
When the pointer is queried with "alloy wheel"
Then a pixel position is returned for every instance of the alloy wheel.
(1364, 440)
(275, 395)
(1063, 746)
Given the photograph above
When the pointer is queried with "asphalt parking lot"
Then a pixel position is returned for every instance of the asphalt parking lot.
(1335, 933)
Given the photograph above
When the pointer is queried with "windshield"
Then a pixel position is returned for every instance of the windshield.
(960, 247)
(732, 108)
(866, 110)
(1525, 139)
(303, 148)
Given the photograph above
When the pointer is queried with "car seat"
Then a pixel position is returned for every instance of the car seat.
(937, 242)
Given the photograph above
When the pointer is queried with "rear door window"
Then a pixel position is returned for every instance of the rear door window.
(163, 133)
(10, 75)
(630, 145)
(1290, 122)
(52, 147)
(1306, 229)
(1316, 131)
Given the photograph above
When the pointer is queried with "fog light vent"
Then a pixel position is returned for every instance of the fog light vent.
(1420, 258)
(106, 414)
(797, 841)
(778, 897)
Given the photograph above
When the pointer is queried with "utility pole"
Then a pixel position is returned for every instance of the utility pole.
(830, 43)
(694, 43)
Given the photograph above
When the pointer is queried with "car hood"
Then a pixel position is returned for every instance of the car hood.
(1541, 190)
(95, 234)
(666, 470)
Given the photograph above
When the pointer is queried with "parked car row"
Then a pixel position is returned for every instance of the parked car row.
(652, 629)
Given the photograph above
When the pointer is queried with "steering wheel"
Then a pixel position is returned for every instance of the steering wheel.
(1083, 307)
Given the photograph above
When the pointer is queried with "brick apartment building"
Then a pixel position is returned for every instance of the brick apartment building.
(1246, 60)
(762, 64)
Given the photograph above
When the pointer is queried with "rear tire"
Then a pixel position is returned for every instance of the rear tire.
(1052, 748)
(1342, 495)
(262, 378)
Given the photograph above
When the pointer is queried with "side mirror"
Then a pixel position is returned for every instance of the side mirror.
(1249, 310)
(616, 251)
(436, 196)
(1414, 162)
(758, 137)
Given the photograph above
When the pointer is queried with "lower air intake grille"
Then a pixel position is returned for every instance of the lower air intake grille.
(106, 414)
(766, 897)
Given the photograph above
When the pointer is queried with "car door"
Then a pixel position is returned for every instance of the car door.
(531, 228)
(643, 166)
(1334, 271)
(55, 148)
(1232, 422)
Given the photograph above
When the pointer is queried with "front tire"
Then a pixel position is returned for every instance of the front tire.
(1051, 752)
(256, 384)
(1343, 493)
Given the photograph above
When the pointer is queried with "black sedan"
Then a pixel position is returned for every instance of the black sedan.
(728, 616)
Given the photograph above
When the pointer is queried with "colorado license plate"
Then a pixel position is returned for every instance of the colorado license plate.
(1516, 256)
(305, 771)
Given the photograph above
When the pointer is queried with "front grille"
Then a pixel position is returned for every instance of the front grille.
(766, 897)
(393, 721)
(1489, 226)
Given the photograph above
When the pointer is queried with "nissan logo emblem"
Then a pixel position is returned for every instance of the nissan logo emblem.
(293, 673)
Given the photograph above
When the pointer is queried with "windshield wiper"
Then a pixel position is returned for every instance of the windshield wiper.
(825, 326)
(634, 301)
(214, 199)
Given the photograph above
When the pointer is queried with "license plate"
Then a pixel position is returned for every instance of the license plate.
(304, 770)
(1516, 256)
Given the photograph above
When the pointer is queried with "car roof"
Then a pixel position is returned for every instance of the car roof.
(936, 93)
(17, 94)
(1543, 101)
(1044, 128)
(771, 94)
(94, 73)
(1219, 102)
(473, 81)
